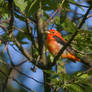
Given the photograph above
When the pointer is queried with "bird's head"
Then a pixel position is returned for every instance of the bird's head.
(52, 33)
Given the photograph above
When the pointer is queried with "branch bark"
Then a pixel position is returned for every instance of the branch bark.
(28, 56)
(40, 33)
(29, 29)
(11, 22)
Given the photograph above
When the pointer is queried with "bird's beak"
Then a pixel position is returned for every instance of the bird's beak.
(47, 32)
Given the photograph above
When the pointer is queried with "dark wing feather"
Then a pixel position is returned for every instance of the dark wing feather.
(60, 41)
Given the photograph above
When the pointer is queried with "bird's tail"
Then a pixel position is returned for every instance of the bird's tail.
(74, 58)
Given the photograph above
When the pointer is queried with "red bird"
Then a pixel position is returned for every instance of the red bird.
(55, 42)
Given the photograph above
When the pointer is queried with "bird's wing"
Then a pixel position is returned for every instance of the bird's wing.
(60, 41)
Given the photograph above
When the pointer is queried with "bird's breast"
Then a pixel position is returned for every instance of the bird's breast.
(54, 47)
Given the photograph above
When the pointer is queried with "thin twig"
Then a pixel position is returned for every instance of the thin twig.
(11, 61)
(22, 49)
(51, 19)
(21, 63)
(29, 30)
(23, 16)
(12, 45)
(3, 27)
(79, 5)
(89, 16)
(21, 84)
(6, 46)
(20, 30)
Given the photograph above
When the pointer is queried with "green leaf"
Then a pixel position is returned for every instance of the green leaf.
(57, 20)
(83, 76)
(74, 88)
(4, 9)
(69, 26)
(21, 4)
(32, 7)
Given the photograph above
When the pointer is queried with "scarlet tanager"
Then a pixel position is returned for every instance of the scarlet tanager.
(55, 42)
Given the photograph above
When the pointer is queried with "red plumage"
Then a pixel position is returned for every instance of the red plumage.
(55, 42)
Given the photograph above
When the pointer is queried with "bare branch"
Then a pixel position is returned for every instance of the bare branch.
(6, 46)
(40, 34)
(24, 52)
(11, 61)
(29, 30)
(51, 19)
(12, 45)
(22, 62)
(24, 16)
(20, 30)
(79, 5)
(89, 16)
(24, 86)
(3, 27)
(27, 55)
(11, 9)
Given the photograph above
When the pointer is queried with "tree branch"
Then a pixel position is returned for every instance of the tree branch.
(11, 9)
(27, 55)
(40, 34)
(24, 16)
(89, 16)
(3, 27)
(24, 86)
(29, 30)
(79, 5)
(10, 57)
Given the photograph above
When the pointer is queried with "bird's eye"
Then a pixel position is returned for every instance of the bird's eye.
(52, 32)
